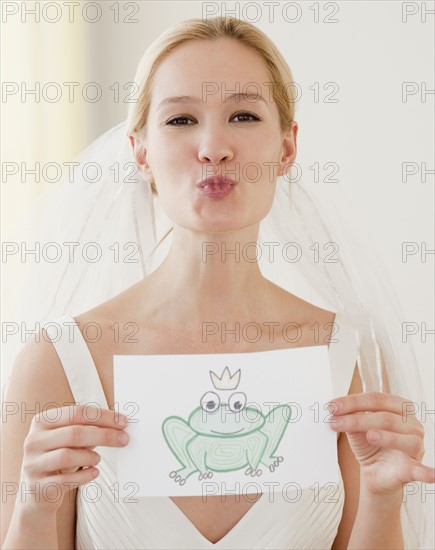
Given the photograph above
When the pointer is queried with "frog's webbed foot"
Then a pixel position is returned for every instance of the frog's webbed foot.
(177, 478)
(180, 476)
(274, 462)
(206, 475)
(253, 472)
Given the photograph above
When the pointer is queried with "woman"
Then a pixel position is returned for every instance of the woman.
(178, 142)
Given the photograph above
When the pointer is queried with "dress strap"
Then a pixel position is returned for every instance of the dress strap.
(342, 355)
(77, 362)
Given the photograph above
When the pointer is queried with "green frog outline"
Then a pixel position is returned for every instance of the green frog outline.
(205, 444)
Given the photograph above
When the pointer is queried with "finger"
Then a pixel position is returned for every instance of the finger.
(78, 414)
(40, 493)
(80, 477)
(410, 444)
(383, 420)
(74, 436)
(373, 401)
(423, 473)
(414, 470)
(64, 459)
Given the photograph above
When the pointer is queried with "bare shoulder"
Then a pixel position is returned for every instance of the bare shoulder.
(106, 325)
(304, 310)
(103, 316)
(37, 383)
(315, 323)
(38, 374)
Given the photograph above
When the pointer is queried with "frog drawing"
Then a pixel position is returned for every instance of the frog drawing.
(223, 434)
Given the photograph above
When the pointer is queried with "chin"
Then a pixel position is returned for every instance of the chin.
(210, 219)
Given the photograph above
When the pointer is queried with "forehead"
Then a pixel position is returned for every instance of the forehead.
(225, 66)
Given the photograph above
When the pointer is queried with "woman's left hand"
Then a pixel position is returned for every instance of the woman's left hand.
(385, 438)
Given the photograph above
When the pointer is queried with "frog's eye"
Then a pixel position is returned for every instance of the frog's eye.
(237, 401)
(210, 402)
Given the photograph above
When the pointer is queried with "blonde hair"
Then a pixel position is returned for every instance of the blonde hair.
(283, 89)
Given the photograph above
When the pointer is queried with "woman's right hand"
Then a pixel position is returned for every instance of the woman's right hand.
(60, 441)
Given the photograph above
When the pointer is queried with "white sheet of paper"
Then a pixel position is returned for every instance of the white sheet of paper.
(269, 414)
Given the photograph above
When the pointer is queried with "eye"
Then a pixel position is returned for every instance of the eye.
(254, 118)
(237, 401)
(210, 402)
(183, 118)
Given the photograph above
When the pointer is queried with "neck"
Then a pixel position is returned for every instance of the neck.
(210, 276)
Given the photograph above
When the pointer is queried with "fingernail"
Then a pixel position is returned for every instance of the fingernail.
(333, 406)
(336, 423)
(123, 438)
(415, 473)
(375, 436)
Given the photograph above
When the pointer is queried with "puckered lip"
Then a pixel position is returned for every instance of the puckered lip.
(216, 180)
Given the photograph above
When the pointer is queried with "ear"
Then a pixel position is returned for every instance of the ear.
(140, 154)
(289, 149)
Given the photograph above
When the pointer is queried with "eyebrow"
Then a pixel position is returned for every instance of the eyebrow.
(192, 99)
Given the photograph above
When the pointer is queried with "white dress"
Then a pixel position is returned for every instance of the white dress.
(108, 521)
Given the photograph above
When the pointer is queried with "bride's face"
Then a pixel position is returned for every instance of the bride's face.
(216, 132)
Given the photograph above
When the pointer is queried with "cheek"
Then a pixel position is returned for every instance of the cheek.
(170, 156)
(260, 166)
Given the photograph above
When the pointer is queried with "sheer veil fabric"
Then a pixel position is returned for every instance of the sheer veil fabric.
(116, 234)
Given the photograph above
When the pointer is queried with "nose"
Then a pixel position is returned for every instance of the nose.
(215, 148)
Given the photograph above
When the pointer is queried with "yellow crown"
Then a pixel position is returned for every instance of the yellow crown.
(226, 381)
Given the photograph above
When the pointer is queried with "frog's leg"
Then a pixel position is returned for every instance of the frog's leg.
(256, 444)
(197, 449)
(274, 427)
(178, 434)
